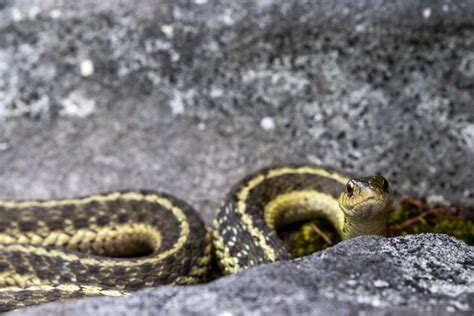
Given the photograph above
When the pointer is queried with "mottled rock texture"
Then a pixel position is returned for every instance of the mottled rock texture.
(178, 90)
(416, 275)
(188, 96)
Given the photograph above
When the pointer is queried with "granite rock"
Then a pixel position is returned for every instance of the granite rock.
(415, 275)
(189, 96)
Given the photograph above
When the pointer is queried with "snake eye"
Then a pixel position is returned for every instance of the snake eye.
(385, 185)
(350, 188)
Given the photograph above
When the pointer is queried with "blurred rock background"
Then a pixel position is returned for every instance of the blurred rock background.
(188, 96)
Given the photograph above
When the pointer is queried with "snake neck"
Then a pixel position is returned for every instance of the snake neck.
(354, 227)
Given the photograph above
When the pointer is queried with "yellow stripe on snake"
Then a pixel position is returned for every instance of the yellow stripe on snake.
(113, 244)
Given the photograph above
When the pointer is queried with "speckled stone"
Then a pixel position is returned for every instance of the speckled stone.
(189, 96)
(416, 275)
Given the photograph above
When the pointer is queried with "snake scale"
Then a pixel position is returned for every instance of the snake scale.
(115, 243)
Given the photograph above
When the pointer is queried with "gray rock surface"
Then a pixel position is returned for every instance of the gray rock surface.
(188, 96)
(416, 275)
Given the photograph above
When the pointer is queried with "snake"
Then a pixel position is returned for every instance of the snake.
(115, 243)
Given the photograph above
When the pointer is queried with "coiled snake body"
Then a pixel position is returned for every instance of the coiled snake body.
(115, 243)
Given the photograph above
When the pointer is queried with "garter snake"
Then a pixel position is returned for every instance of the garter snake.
(115, 243)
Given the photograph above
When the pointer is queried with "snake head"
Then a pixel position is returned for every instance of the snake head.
(366, 202)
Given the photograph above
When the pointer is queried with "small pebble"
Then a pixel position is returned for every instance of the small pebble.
(381, 283)
(55, 14)
(87, 68)
(427, 13)
(267, 123)
(167, 30)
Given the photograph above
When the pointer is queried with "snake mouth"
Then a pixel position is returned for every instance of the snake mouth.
(372, 207)
(366, 208)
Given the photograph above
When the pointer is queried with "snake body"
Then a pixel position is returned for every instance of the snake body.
(112, 244)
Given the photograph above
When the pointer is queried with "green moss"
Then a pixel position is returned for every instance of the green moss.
(304, 239)
(414, 218)
(411, 217)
